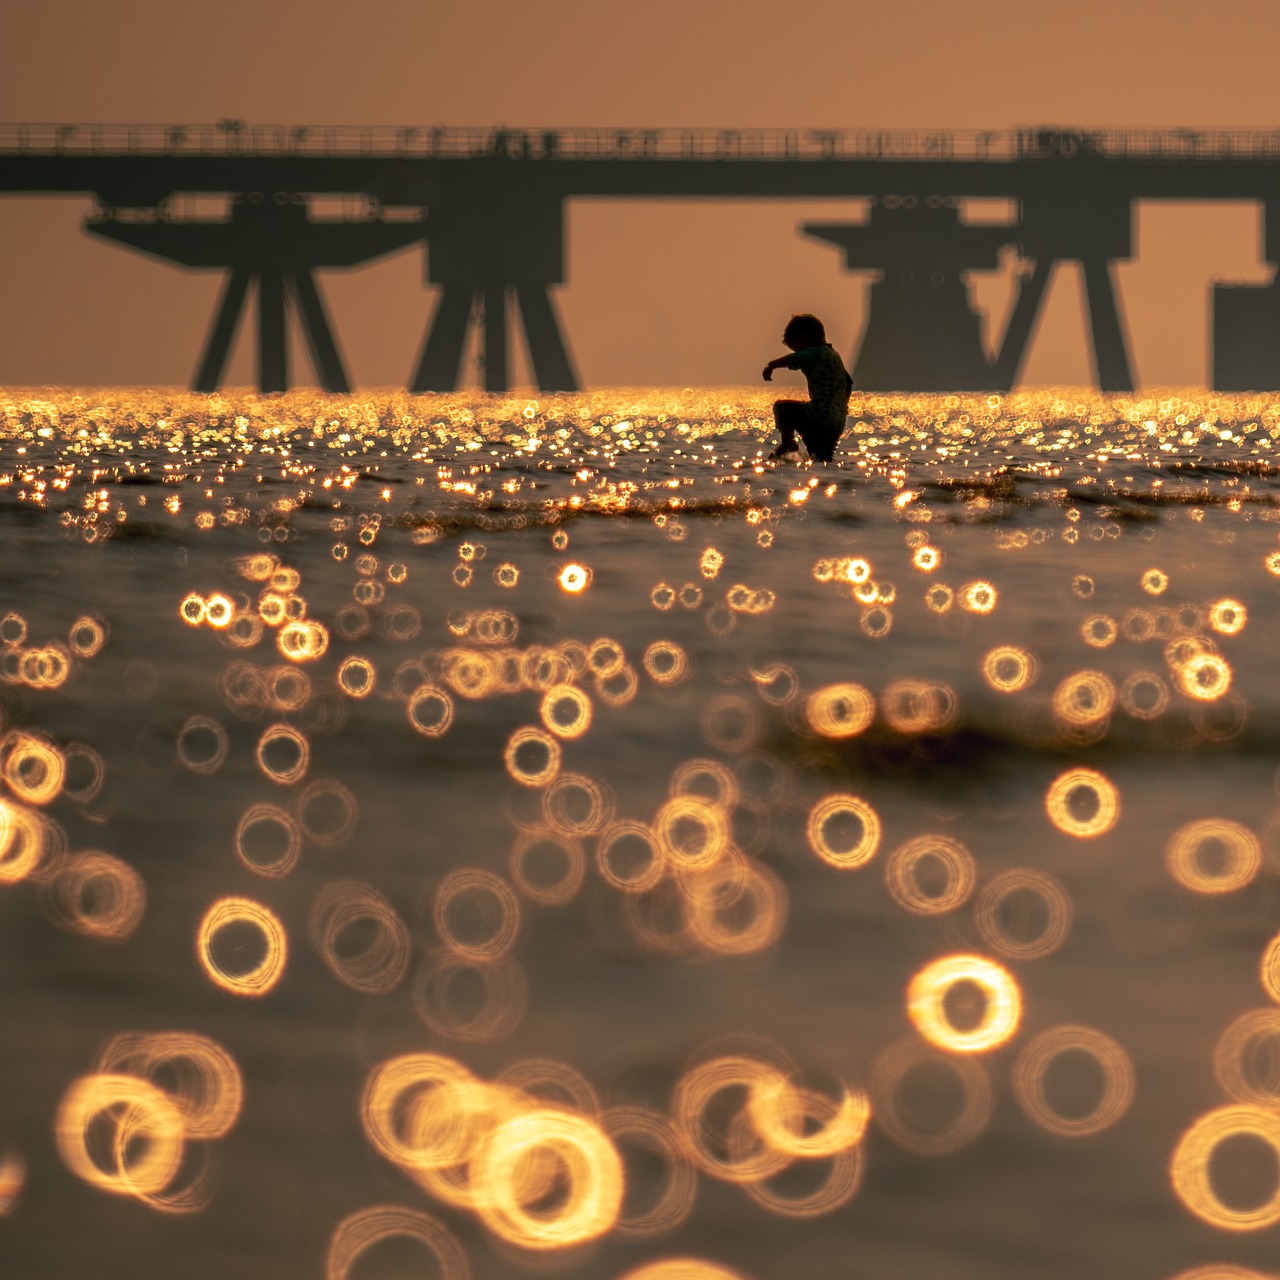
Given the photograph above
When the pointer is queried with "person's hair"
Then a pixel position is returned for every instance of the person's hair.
(805, 330)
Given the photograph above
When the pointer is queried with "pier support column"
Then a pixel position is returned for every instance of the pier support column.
(1022, 323)
(1245, 341)
(325, 356)
(500, 234)
(439, 367)
(275, 289)
(273, 337)
(1106, 328)
(275, 245)
(225, 322)
(548, 352)
(922, 332)
(1072, 212)
(497, 371)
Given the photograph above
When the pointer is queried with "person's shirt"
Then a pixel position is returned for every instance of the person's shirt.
(829, 383)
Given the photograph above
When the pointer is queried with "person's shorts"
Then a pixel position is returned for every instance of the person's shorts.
(820, 438)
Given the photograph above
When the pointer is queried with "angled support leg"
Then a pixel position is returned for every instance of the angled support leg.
(221, 335)
(497, 372)
(319, 333)
(1106, 327)
(273, 351)
(440, 363)
(1022, 324)
(548, 353)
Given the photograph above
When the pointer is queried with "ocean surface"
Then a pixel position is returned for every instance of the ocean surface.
(485, 836)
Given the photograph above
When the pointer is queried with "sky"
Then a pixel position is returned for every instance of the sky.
(666, 293)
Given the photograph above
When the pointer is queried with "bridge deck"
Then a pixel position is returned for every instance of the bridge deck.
(489, 207)
(140, 165)
(235, 138)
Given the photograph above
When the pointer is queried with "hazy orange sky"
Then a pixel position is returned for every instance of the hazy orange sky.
(659, 293)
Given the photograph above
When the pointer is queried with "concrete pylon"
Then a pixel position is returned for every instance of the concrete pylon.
(490, 247)
(922, 332)
(270, 244)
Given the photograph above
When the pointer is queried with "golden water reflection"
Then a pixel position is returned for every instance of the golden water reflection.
(502, 703)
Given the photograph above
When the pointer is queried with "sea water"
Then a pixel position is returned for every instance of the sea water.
(504, 835)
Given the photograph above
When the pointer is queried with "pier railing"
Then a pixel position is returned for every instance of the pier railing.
(237, 138)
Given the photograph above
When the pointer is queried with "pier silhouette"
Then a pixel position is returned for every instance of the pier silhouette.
(488, 205)
(275, 245)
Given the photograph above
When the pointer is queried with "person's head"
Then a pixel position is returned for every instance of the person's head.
(803, 331)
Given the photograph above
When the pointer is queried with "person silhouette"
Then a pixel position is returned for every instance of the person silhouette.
(820, 420)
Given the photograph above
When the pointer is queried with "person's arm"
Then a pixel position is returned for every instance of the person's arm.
(782, 362)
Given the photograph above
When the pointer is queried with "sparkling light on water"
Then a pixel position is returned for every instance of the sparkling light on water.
(621, 835)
